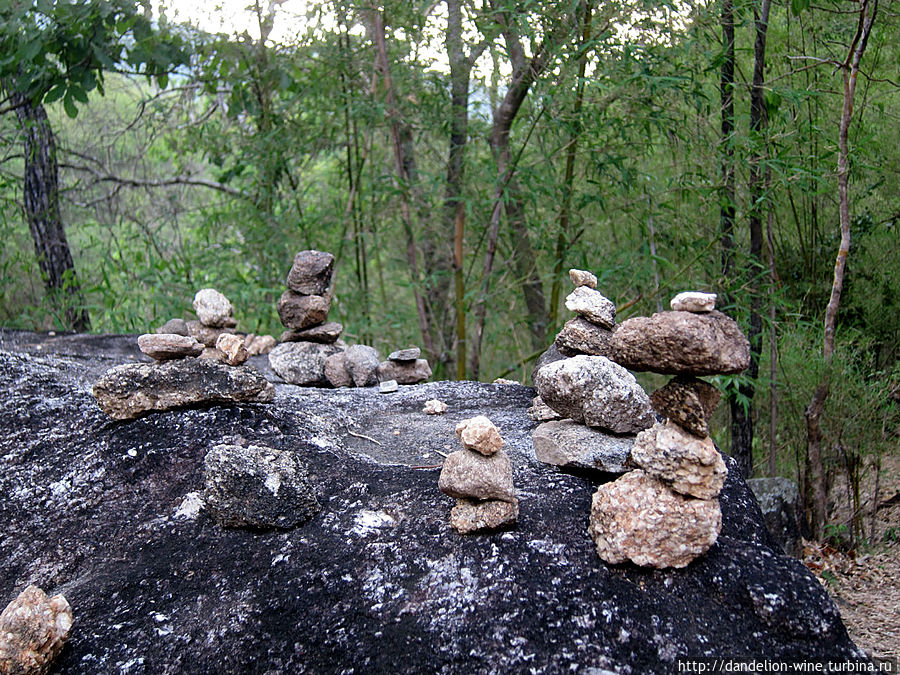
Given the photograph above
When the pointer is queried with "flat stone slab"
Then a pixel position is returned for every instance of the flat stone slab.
(570, 445)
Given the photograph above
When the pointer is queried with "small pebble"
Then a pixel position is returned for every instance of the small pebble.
(388, 386)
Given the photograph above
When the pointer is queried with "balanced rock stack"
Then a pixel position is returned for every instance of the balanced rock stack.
(603, 404)
(666, 513)
(480, 478)
(303, 309)
(214, 319)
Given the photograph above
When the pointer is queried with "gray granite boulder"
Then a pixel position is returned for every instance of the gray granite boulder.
(302, 363)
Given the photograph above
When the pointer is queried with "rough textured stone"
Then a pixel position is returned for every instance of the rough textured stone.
(541, 412)
(212, 308)
(687, 464)
(174, 327)
(132, 390)
(638, 518)
(687, 401)
(693, 301)
(361, 362)
(336, 372)
(326, 333)
(211, 354)
(302, 363)
(405, 373)
(470, 475)
(479, 434)
(779, 500)
(469, 516)
(434, 407)
(403, 355)
(378, 581)
(597, 392)
(33, 630)
(592, 305)
(570, 445)
(582, 278)
(257, 487)
(166, 346)
(685, 343)
(580, 336)
(302, 311)
(311, 273)
(205, 335)
(552, 354)
(259, 344)
(232, 349)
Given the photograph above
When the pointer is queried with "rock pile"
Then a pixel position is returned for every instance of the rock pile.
(480, 478)
(602, 403)
(666, 513)
(33, 630)
(214, 319)
(311, 352)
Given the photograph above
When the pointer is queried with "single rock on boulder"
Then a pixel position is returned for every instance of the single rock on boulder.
(232, 349)
(361, 362)
(167, 346)
(676, 343)
(302, 311)
(580, 336)
(33, 630)
(597, 392)
(687, 401)
(434, 406)
(470, 475)
(336, 371)
(479, 434)
(570, 445)
(582, 278)
(174, 327)
(470, 516)
(311, 273)
(326, 333)
(302, 363)
(258, 487)
(593, 306)
(212, 308)
(687, 464)
(638, 518)
(407, 372)
(693, 301)
(388, 387)
(135, 389)
(405, 355)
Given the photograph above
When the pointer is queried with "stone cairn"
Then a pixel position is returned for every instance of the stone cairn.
(311, 352)
(214, 319)
(33, 630)
(480, 478)
(186, 370)
(664, 513)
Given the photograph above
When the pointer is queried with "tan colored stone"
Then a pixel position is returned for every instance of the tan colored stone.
(166, 346)
(592, 305)
(259, 344)
(681, 343)
(470, 475)
(405, 372)
(582, 278)
(232, 349)
(687, 464)
(212, 308)
(469, 516)
(33, 630)
(311, 273)
(336, 371)
(693, 301)
(302, 311)
(479, 434)
(205, 335)
(687, 401)
(580, 336)
(434, 407)
(326, 333)
(638, 518)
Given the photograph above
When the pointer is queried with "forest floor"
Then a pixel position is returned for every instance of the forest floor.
(865, 582)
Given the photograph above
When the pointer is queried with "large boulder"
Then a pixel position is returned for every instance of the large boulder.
(378, 581)
(681, 343)
(779, 500)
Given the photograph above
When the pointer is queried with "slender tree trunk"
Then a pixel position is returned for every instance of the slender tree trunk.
(726, 93)
(41, 197)
(816, 480)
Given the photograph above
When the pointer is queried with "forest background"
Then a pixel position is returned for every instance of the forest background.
(458, 157)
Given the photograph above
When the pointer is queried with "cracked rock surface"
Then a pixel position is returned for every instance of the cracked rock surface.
(107, 514)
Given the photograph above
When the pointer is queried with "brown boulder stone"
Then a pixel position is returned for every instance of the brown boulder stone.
(302, 311)
(687, 401)
(311, 273)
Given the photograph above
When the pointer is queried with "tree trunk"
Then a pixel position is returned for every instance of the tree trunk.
(41, 197)
(816, 479)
